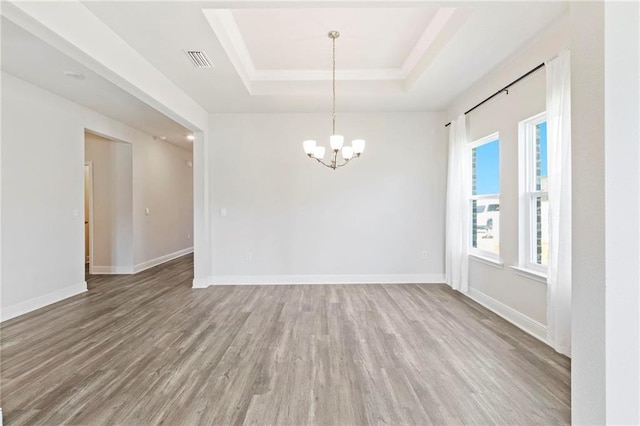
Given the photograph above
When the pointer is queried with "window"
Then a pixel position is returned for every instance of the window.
(534, 204)
(485, 197)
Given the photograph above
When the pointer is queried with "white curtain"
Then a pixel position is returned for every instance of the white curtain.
(458, 206)
(559, 166)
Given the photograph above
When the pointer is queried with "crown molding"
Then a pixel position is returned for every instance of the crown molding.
(439, 30)
(325, 75)
(228, 33)
(426, 40)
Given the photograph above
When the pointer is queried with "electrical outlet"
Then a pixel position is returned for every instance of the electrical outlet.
(424, 255)
(247, 257)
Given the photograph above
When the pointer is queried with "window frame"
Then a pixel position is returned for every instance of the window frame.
(528, 194)
(474, 251)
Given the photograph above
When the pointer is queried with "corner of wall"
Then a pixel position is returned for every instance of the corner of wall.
(202, 282)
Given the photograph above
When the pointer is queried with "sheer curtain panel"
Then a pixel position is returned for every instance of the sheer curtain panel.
(559, 166)
(458, 206)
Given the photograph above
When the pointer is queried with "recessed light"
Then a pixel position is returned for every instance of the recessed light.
(190, 137)
(74, 75)
(163, 138)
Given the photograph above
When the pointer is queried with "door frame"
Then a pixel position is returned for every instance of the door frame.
(90, 165)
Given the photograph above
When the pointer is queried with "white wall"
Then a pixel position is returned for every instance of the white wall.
(112, 204)
(588, 209)
(163, 183)
(622, 203)
(520, 299)
(43, 186)
(298, 221)
(202, 235)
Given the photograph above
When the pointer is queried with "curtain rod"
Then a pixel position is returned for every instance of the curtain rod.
(504, 89)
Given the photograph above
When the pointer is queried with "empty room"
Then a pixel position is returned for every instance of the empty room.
(319, 212)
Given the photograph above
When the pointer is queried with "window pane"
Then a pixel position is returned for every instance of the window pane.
(485, 225)
(486, 169)
(541, 240)
(541, 157)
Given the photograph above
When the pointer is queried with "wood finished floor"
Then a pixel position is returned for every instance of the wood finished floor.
(148, 349)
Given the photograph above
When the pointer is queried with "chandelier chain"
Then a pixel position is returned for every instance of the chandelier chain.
(334, 86)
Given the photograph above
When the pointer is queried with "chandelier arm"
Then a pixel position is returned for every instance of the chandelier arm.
(345, 162)
(334, 165)
(325, 164)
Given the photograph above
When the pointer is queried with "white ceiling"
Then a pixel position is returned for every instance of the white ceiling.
(270, 56)
(298, 40)
(37, 62)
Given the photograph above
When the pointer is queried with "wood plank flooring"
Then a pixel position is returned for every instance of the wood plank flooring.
(148, 349)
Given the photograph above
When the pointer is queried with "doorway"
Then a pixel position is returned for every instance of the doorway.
(110, 209)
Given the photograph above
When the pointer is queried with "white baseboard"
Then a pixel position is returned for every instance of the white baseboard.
(319, 279)
(201, 282)
(160, 260)
(42, 301)
(516, 318)
(110, 270)
(107, 270)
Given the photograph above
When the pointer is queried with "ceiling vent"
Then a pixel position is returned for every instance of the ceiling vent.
(199, 59)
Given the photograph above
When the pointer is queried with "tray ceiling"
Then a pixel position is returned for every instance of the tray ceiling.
(375, 44)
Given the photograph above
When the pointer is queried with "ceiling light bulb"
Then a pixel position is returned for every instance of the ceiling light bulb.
(190, 137)
(358, 146)
(336, 142)
(347, 152)
(309, 146)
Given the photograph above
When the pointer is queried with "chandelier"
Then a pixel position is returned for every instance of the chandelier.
(335, 141)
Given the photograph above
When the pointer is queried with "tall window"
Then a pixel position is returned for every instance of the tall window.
(534, 207)
(485, 198)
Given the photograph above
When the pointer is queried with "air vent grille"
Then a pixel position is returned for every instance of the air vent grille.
(199, 59)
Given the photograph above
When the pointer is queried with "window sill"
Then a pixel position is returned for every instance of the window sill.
(531, 274)
(496, 263)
